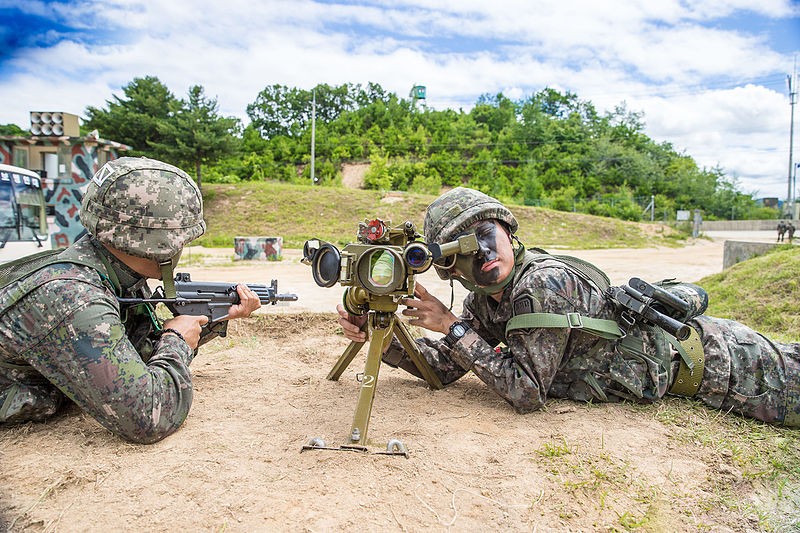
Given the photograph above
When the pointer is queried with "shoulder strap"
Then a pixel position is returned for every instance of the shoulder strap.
(26, 266)
(584, 269)
(600, 327)
(606, 329)
(19, 268)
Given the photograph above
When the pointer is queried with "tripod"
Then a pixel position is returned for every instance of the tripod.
(382, 325)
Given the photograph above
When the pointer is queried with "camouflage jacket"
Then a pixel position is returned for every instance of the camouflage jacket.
(745, 372)
(62, 333)
(537, 363)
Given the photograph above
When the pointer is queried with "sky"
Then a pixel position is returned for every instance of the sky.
(709, 76)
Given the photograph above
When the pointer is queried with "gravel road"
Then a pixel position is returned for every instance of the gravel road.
(700, 258)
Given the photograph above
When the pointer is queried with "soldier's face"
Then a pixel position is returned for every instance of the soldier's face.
(495, 257)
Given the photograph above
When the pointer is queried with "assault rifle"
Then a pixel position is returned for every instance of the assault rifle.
(654, 305)
(208, 298)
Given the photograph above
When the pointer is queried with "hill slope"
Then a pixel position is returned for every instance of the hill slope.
(298, 213)
(760, 292)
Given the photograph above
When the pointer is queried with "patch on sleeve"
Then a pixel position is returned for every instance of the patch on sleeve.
(526, 304)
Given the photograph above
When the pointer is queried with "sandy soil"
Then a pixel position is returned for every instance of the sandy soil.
(474, 464)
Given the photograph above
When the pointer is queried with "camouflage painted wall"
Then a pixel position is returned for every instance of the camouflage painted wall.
(264, 248)
(65, 193)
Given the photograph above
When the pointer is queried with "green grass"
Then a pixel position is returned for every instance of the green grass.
(762, 292)
(301, 212)
(745, 455)
(621, 498)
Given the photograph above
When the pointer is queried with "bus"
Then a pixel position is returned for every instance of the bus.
(23, 214)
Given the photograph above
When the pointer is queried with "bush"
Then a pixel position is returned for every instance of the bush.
(427, 184)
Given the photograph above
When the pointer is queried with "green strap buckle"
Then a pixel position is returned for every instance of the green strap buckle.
(574, 321)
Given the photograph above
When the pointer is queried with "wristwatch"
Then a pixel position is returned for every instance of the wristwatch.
(457, 330)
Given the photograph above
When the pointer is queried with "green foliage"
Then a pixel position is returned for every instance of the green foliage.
(287, 111)
(137, 118)
(11, 129)
(196, 134)
(548, 149)
(187, 133)
(429, 183)
(760, 292)
(378, 177)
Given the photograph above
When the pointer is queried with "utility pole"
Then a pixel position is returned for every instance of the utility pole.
(792, 81)
(314, 132)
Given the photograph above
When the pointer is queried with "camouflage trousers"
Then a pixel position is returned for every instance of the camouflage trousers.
(25, 396)
(748, 374)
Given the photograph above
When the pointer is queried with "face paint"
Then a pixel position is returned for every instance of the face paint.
(494, 259)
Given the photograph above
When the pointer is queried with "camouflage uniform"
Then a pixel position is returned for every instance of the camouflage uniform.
(745, 372)
(781, 230)
(62, 332)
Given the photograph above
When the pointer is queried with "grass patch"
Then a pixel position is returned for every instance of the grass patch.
(746, 456)
(622, 498)
(761, 292)
(301, 212)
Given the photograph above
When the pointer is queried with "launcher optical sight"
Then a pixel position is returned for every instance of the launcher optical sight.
(383, 261)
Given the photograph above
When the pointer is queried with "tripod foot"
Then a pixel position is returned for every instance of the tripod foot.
(393, 447)
(396, 447)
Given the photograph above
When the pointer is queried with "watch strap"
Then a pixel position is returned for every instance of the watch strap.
(451, 338)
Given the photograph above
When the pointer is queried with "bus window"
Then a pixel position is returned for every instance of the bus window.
(23, 220)
(30, 206)
(7, 217)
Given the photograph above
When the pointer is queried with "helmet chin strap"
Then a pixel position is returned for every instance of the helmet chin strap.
(168, 275)
(519, 254)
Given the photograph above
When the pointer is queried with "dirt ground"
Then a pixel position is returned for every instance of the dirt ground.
(474, 464)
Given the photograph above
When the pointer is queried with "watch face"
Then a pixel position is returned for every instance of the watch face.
(458, 330)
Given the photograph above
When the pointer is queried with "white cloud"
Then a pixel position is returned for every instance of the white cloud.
(663, 58)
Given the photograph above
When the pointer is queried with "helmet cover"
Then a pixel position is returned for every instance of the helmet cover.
(143, 207)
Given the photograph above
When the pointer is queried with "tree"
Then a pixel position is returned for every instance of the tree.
(11, 129)
(280, 110)
(197, 134)
(137, 119)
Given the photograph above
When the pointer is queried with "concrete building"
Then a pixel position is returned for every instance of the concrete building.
(66, 161)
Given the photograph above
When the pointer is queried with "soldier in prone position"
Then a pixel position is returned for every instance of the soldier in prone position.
(63, 333)
(566, 337)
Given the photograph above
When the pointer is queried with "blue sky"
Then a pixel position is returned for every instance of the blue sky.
(709, 75)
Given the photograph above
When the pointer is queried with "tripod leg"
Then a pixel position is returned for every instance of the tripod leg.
(358, 432)
(345, 360)
(416, 356)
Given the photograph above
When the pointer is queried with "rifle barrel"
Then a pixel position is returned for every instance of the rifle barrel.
(657, 293)
(640, 304)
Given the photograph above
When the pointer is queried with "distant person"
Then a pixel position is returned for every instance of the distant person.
(790, 230)
(63, 335)
(782, 227)
(535, 326)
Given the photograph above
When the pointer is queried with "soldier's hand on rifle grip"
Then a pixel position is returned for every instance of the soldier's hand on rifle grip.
(352, 326)
(427, 311)
(189, 326)
(248, 302)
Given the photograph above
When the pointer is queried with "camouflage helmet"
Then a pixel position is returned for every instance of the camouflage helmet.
(143, 207)
(456, 210)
